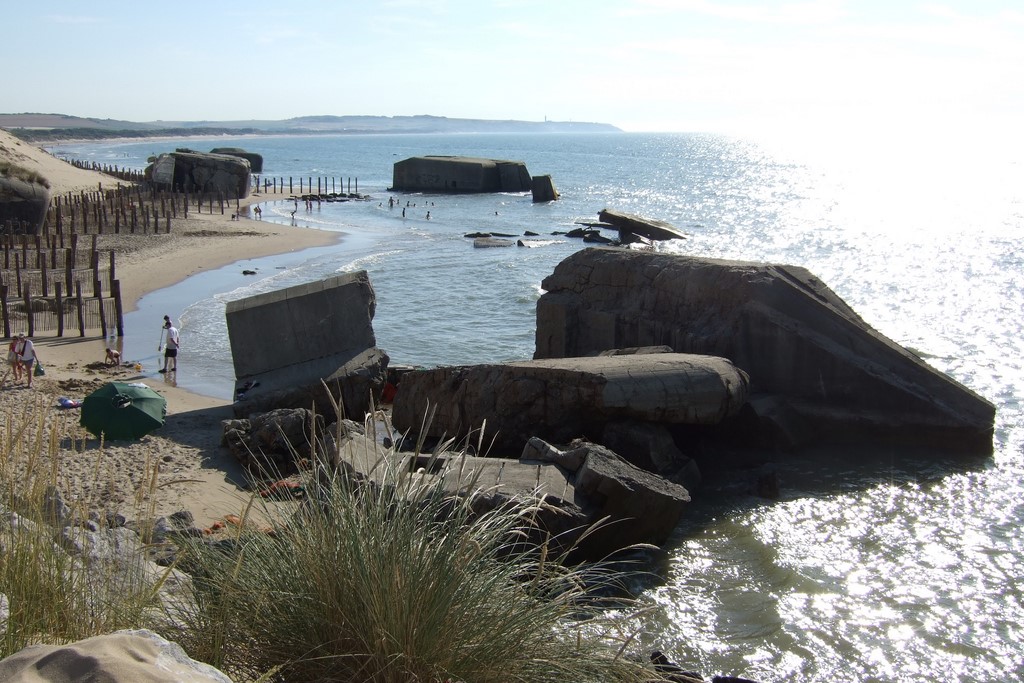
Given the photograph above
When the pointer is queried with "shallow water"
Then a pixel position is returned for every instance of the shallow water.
(874, 566)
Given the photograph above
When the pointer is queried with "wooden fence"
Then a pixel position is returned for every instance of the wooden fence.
(55, 279)
(326, 186)
(53, 283)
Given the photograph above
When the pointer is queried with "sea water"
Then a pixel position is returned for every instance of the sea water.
(873, 566)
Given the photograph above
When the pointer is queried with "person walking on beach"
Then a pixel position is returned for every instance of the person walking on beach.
(170, 348)
(14, 356)
(28, 357)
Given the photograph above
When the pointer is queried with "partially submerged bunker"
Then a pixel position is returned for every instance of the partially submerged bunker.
(460, 174)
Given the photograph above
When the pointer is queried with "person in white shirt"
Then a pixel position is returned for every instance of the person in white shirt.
(27, 353)
(171, 348)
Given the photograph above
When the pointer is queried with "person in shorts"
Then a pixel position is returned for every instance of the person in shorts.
(14, 356)
(28, 357)
(171, 348)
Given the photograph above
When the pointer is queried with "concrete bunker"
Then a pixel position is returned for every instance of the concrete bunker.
(456, 174)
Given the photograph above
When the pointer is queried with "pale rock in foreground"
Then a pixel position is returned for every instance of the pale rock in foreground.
(122, 657)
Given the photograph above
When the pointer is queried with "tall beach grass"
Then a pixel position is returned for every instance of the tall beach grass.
(55, 584)
(397, 580)
(400, 581)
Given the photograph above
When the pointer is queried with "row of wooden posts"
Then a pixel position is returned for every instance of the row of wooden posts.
(120, 172)
(44, 275)
(51, 261)
(128, 210)
(42, 282)
(324, 185)
(106, 313)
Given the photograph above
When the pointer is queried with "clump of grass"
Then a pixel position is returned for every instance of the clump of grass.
(9, 170)
(398, 581)
(394, 580)
(55, 586)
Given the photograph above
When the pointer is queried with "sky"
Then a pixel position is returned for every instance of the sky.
(642, 65)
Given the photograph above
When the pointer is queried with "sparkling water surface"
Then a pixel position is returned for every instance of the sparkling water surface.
(873, 566)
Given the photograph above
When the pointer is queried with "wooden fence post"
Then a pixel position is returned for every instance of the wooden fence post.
(5, 311)
(94, 266)
(103, 315)
(115, 291)
(80, 306)
(69, 270)
(28, 311)
(60, 309)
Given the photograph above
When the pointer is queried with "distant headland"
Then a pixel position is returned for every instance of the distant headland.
(35, 127)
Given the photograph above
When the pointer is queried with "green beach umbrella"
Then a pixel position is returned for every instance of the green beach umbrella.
(123, 411)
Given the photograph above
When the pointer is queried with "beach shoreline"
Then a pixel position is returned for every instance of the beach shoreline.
(193, 471)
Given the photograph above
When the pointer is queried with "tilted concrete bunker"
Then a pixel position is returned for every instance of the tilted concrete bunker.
(189, 171)
(285, 344)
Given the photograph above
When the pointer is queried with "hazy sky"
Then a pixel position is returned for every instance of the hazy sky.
(642, 65)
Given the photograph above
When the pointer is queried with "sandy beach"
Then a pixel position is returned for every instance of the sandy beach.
(193, 471)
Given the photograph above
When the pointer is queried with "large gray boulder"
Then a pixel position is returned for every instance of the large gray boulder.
(24, 198)
(561, 399)
(198, 172)
(782, 325)
(272, 443)
(626, 496)
(630, 505)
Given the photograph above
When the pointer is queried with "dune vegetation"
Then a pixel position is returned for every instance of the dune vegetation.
(390, 581)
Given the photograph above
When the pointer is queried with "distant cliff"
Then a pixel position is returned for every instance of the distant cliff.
(47, 127)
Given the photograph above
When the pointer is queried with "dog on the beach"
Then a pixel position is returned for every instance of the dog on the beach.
(113, 357)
